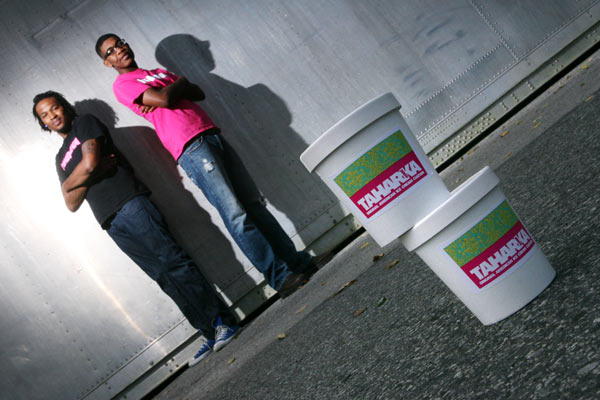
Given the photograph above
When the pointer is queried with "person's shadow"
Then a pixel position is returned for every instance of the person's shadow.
(188, 222)
(256, 122)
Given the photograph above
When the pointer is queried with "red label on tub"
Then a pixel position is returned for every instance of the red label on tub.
(388, 185)
(499, 257)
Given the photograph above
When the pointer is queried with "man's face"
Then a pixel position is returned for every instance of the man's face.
(53, 115)
(116, 53)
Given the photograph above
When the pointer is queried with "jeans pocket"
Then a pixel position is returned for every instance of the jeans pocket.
(215, 141)
(193, 145)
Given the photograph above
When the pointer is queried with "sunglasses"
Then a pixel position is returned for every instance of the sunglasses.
(119, 44)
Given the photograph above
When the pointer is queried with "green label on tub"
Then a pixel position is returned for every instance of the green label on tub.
(373, 163)
(483, 235)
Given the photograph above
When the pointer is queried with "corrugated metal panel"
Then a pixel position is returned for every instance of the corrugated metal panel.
(277, 75)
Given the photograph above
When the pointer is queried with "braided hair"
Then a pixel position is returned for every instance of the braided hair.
(68, 107)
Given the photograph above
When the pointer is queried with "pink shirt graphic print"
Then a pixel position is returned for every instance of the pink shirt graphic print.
(69, 154)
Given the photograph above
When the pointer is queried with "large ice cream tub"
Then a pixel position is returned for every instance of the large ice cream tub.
(376, 168)
(477, 245)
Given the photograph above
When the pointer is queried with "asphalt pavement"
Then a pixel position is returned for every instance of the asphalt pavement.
(376, 323)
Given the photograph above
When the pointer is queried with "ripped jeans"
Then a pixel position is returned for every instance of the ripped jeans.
(212, 164)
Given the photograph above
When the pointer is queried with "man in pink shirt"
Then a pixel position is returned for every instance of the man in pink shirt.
(194, 141)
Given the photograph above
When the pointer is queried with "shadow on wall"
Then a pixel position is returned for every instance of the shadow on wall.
(256, 122)
(188, 222)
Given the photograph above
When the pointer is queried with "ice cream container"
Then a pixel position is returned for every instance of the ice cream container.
(477, 245)
(376, 168)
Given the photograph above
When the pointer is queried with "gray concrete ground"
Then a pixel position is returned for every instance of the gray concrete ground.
(398, 333)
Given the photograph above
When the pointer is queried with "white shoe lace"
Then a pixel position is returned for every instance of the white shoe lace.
(221, 332)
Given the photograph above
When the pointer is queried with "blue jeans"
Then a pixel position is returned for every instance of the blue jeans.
(212, 164)
(140, 231)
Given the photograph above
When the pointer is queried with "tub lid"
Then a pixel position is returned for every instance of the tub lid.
(344, 129)
(461, 199)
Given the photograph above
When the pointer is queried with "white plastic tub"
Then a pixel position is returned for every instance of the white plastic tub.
(476, 244)
(374, 165)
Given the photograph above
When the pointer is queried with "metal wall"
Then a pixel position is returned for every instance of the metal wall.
(77, 318)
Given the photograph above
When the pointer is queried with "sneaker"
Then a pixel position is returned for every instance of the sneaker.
(204, 351)
(224, 334)
(292, 283)
(317, 262)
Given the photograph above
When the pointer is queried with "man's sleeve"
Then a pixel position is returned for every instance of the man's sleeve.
(89, 127)
(171, 75)
(128, 90)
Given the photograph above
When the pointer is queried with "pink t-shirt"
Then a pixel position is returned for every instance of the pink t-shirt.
(174, 127)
